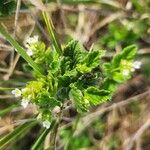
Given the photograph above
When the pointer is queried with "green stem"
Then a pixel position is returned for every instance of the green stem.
(20, 50)
(6, 89)
(52, 32)
(70, 138)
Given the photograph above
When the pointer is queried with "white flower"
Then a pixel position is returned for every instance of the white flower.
(29, 52)
(24, 103)
(137, 64)
(46, 124)
(16, 92)
(31, 40)
(125, 72)
(56, 110)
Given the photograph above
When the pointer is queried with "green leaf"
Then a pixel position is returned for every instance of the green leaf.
(96, 96)
(20, 50)
(120, 63)
(73, 53)
(91, 61)
(77, 97)
(16, 133)
(129, 52)
(73, 48)
(120, 78)
(44, 100)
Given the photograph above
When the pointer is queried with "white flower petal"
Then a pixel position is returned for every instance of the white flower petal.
(24, 103)
(29, 52)
(16, 92)
(46, 124)
(31, 40)
(125, 72)
(137, 64)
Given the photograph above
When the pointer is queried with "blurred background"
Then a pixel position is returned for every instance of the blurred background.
(121, 124)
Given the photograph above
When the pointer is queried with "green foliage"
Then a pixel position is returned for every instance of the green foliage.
(73, 73)
(96, 96)
(120, 68)
(76, 95)
(7, 7)
(125, 33)
(77, 142)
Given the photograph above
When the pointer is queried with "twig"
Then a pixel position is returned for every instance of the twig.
(16, 16)
(130, 141)
(7, 76)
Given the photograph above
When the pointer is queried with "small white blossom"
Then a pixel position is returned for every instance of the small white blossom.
(137, 64)
(24, 103)
(16, 92)
(29, 52)
(56, 110)
(125, 72)
(46, 124)
(31, 40)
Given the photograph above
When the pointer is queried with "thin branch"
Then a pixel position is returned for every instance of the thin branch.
(130, 141)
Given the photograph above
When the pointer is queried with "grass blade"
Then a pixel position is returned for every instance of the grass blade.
(20, 50)
(6, 89)
(7, 110)
(52, 32)
(16, 133)
(40, 140)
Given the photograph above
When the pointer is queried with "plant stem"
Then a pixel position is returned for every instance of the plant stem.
(52, 32)
(20, 50)
(54, 133)
(70, 138)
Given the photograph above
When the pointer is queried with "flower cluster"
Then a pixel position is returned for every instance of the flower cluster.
(128, 66)
(28, 96)
(29, 44)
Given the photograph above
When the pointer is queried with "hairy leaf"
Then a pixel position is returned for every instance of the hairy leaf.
(96, 96)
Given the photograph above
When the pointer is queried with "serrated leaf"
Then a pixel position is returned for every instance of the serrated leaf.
(73, 48)
(91, 61)
(77, 97)
(73, 54)
(96, 96)
(45, 100)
